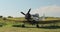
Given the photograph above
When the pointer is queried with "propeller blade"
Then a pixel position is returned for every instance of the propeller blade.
(23, 13)
(29, 10)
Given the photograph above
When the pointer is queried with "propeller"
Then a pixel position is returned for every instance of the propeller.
(22, 13)
(27, 15)
(29, 10)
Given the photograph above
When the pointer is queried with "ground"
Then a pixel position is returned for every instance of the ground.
(19, 29)
(7, 26)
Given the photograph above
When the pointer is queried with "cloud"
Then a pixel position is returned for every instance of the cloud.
(52, 10)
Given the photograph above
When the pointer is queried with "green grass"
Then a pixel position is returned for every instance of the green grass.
(7, 26)
(18, 29)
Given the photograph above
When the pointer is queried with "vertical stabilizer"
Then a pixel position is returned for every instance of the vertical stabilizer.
(43, 17)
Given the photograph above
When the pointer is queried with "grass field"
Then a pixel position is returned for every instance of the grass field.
(19, 29)
(7, 26)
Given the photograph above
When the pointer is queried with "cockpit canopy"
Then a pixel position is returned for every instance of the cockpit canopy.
(35, 17)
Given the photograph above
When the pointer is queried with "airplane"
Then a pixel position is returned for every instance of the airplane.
(35, 19)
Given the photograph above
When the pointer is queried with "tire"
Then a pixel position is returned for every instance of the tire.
(37, 26)
(23, 25)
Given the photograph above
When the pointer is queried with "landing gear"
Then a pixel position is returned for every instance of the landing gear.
(37, 26)
(23, 25)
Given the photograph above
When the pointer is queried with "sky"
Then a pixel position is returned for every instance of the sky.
(14, 7)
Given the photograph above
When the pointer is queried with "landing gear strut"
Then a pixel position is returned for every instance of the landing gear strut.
(23, 25)
(37, 26)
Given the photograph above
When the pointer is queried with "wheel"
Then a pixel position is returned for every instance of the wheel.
(37, 26)
(23, 25)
